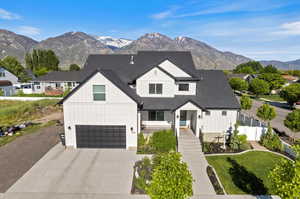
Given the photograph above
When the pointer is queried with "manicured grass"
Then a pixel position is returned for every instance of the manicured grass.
(276, 98)
(246, 173)
(25, 131)
(14, 112)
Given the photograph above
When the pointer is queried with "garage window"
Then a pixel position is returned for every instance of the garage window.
(156, 116)
(99, 92)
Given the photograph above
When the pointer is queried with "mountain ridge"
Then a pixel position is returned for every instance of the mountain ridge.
(74, 47)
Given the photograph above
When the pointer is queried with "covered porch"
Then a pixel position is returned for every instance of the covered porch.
(187, 116)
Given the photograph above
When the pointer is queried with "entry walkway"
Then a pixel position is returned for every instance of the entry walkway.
(190, 148)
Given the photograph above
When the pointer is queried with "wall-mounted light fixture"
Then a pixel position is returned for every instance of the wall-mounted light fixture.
(177, 116)
(131, 128)
(199, 116)
(69, 127)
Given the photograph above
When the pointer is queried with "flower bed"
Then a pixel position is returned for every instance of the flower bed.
(213, 147)
(214, 181)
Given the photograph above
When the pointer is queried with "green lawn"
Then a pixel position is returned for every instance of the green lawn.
(246, 173)
(276, 98)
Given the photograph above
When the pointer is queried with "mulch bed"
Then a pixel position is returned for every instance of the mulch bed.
(20, 155)
(214, 181)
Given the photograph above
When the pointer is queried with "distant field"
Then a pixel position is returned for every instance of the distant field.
(14, 112)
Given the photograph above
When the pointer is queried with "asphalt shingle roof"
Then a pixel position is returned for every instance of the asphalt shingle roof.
(213, 90)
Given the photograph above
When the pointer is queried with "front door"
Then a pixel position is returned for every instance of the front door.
(183, 115)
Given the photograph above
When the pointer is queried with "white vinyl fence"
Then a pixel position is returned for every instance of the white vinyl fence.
(253, 133)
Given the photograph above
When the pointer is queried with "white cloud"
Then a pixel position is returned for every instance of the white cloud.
(28, 30)
(291, 28)
(4, 14)
(166, 13)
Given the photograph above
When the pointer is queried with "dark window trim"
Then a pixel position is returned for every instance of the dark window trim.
(186, 87)
(224, 113)
(156, 90)
(156, 116)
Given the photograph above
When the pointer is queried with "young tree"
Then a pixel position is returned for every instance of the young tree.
(246, 102)
(238, 84)
(74, 67)
(259, 87)
(286, 177)
(292, 121)
(291, 94)
(171, 178)
(266, 112)
(274, 80)
(236, 140)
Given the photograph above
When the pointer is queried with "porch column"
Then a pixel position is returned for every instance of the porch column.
(198, 114)
(139, 122)
(177, 119)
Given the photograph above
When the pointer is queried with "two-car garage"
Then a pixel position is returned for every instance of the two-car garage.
(101, 136)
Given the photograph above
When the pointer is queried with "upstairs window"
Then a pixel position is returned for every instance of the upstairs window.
(155, 88)
(207, 113)
(224, 113)
(2, 74)
(99, 92)
(156, 116)
(183, 87)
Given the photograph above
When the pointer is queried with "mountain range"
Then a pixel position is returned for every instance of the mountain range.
(74, 47)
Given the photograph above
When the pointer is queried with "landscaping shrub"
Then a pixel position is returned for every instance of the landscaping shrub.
(237, 141)
(171, 178)
(271, 141)
(214, 181)
(163, 141)
(160, 142)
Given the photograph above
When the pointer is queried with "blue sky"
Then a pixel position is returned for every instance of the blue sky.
(259, 29)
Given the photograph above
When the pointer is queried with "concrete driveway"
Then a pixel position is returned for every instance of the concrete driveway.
(90, 171)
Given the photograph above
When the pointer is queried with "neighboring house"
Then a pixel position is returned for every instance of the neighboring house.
(6, 75)
(59, 81)
(121, 95)
(290, 79)
(7, 88)
(246, 77)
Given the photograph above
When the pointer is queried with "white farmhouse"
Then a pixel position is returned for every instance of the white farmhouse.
(120, 96)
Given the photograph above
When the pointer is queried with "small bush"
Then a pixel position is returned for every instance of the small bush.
(163, 141)
(144, 145)
(271, 141)
(171, 178)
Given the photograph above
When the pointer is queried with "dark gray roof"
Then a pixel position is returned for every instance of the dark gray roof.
(213, 92)
(143, 61)
(110, 75)
(76, 76)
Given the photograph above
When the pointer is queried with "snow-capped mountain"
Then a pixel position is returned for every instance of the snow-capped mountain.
(113, 42)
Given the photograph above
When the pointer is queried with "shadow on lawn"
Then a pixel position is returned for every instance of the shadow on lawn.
(245, 180)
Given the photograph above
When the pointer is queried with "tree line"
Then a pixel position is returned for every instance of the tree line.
(39, 61)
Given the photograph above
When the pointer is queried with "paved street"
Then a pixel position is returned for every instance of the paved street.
(276, 122)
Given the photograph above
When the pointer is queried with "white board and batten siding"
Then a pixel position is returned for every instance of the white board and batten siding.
(217, 123)
(155, 76)
(117, 109)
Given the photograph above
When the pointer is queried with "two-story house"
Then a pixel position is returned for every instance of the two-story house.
(121, 95)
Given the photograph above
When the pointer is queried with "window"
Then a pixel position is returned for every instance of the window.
(207, 113)
(69, 84)
(2, 74)
(57, 85)
(183, 87)
(156, 116)
(155, 88)
(99, 92)
(224, 113)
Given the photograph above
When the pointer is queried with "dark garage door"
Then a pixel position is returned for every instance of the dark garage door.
(92, 136)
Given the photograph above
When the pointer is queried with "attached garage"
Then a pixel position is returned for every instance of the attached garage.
(101, 136)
